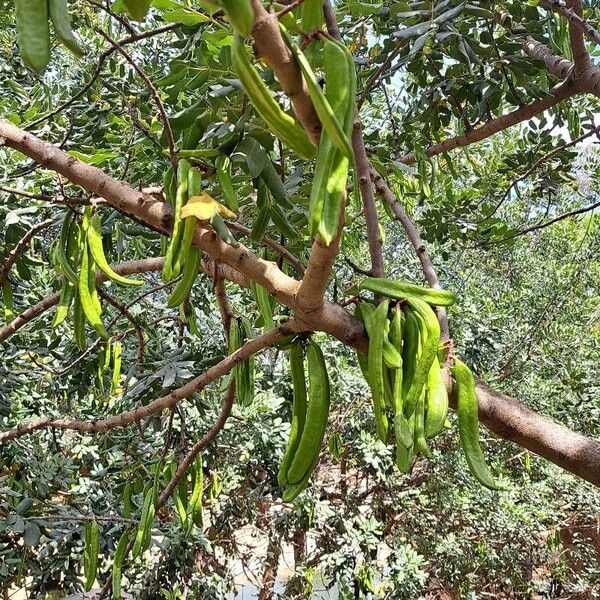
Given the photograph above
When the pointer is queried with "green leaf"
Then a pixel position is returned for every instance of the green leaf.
(32, 534)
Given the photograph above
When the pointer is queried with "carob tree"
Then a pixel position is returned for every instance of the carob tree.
(403, 344)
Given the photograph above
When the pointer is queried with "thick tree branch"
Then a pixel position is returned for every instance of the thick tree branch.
(271, 47)
(558, 94)
(558, 66)
(165, 402)
(20, 247)
(574, 15)
(513, 421)
(331, 319)
(581, 57)
(311, 294)
(587, 80)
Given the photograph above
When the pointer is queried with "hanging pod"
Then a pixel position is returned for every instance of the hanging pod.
(307, 453)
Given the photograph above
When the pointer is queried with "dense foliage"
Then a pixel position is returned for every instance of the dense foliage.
(527, 320)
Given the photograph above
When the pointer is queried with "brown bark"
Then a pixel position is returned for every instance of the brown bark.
(362, 165)
(513, 421)
(581, 58)
(417, 243)
(206, 439)
(574, 14)
(271, 47)
(20, 247)
(127, 268)
(331, 318)
(311, 293)
(368, 199)
(270, 572)
(558, 94)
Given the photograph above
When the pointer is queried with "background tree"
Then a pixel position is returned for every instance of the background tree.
(509, 225)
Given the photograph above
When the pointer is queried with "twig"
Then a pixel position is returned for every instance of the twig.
(136, 326)
(372, 82)
(358, 269)
(154, 93)
(558, 94)
(293, 6)
(206, 439)
(535, 167)
(545, 224)
(267, 241)
(101, 59)
(223, 302)
(77, 200)
(20, 247)
(574, 18)
(166, 402)
(80, 518)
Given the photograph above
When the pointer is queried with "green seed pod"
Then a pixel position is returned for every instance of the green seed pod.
(33, 33)
(309, 446)
(298, 410)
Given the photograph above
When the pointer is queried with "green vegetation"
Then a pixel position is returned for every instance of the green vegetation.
(254, 277)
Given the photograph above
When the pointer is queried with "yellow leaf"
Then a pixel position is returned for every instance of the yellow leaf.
(204, 208)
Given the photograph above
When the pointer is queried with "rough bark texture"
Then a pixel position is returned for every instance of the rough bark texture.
(500, 413)
(513, 421)
(311, 294)
(271, 47)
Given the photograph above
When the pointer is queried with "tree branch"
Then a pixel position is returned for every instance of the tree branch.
(127, 268)
(581, 58)
(373, 80)
(20, 248)
(538, 163)
(544, 224)
(45, 197)
(269, 243)
(136, 326)
(101, 59)
(165, 402)
(523, 113)
(311, 294)
(223, 303)
(558, 66)
(515, 422)
(271, 47)
(331, 319)
(153, 92)
(417, 243)
(361, 163)
(574, 15)
(204, 441)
